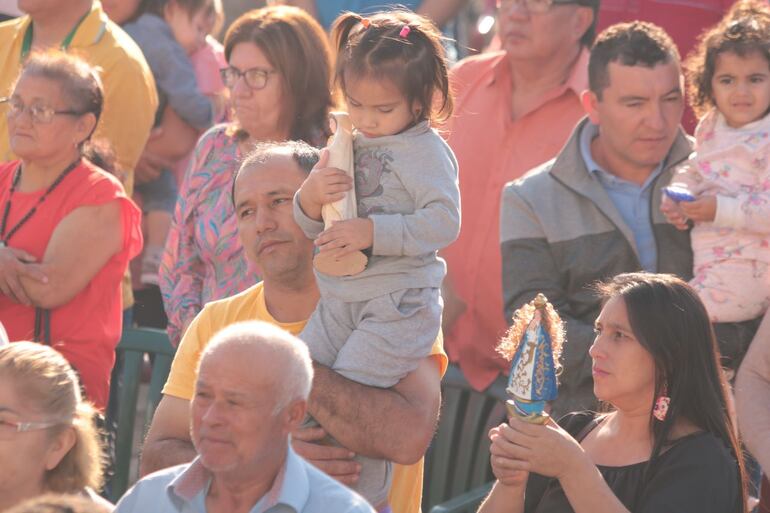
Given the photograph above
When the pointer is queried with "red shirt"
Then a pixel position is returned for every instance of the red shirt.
(86, 329)
(684, 20)
(493, 149)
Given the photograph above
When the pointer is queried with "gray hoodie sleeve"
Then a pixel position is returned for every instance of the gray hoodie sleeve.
(435, 223)
(311, 227)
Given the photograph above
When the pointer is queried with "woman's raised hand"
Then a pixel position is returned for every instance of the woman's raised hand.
(546, 449)
(508, 470)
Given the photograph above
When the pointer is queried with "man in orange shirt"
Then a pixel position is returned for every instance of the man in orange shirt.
(514, 110)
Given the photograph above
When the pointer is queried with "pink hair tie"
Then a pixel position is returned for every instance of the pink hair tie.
(405, 30)
(365, 22)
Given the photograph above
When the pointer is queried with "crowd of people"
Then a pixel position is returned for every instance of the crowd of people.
(141, 156)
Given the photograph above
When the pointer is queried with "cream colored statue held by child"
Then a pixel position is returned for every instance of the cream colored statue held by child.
(340, 156)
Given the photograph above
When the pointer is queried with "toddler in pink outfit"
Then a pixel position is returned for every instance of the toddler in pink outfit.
(729, 173)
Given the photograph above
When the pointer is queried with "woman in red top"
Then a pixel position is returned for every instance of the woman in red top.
(67, 229)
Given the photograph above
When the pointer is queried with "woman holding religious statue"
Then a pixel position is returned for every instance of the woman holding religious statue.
(666, 443)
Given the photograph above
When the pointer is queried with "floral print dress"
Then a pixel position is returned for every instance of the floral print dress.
(732, 253)
(204, 260)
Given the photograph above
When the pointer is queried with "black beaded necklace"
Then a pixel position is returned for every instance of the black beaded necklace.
(14, 185)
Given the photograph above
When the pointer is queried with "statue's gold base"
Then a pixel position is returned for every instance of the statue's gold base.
(532, 419)
(348, 265)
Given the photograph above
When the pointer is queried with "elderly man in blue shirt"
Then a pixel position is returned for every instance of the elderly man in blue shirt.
(253, 383)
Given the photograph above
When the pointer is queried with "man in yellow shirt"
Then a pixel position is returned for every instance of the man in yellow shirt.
(395, 424)
(81, 27)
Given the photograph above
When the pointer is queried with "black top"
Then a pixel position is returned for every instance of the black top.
(696, 474)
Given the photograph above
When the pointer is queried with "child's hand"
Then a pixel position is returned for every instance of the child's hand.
(347, 236)
(703, 209)
(323, 185)
(674, 215)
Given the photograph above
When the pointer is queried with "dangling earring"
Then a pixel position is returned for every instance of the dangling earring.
(661, 405)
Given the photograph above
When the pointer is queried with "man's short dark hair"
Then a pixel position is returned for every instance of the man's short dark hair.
(304, 155)
(637, 43)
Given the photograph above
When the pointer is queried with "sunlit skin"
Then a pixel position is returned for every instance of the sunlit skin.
(741, 92)
(623, 370)
(377, 108)
(638, 114)
(189, 29)
(232, 425)
(538, 36)
(741, 87)
(50, 146)
(260, 112)
(266, 226)
(27, 455)
(235, 427)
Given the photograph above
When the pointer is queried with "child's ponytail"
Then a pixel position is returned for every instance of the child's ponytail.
(341, 30)
(400, 46)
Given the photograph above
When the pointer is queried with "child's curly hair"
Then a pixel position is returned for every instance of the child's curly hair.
(744, 29)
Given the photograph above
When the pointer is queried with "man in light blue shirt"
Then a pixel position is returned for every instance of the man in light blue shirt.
(253, 383)
(594, 211)
(633, 200)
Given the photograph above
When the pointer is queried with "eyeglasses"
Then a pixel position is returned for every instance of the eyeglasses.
(533, 6)
(256, 78)
(8, 427)
(39, 113)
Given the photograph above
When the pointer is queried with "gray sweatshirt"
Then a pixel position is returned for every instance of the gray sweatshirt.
(407, 185)
(172, 69)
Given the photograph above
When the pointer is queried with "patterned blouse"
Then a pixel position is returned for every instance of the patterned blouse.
(204, 260)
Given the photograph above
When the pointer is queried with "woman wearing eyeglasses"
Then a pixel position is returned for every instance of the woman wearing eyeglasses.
(48, 442)
(278, 73)
(67, 229)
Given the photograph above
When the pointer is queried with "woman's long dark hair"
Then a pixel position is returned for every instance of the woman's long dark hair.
(671, 323)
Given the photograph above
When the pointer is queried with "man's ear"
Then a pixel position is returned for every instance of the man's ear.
(295, 414)
(590, 105)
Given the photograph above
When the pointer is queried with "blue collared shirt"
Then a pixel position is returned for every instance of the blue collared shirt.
(632, 200)
(298, 488)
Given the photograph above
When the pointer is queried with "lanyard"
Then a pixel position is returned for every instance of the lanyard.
(14, 184)
(26, 44)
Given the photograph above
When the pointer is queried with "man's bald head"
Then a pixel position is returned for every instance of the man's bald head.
(301, 153)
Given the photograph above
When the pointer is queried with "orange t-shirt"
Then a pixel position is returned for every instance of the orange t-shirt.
(87, 328)
(493, 149)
